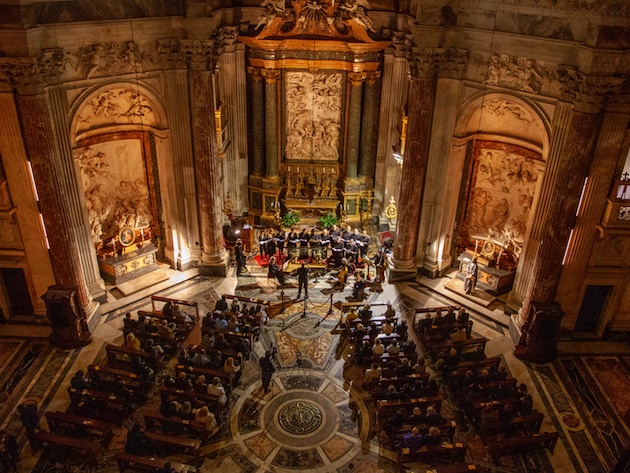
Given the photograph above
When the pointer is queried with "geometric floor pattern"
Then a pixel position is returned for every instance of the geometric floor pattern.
(317, 417)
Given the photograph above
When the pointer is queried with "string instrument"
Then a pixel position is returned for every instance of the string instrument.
(343, 274)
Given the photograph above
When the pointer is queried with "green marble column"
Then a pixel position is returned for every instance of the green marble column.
(271, 120)
(369, 125)
(258, 121)
(354, 123)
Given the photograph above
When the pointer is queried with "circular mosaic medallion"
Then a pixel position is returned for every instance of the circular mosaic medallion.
(300, 418)
(571, 421)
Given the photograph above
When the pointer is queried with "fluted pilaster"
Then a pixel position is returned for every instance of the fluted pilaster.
(74, 197)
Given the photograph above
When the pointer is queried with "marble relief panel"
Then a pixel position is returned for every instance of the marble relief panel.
(313, 115)
(115, 183)
(503, 186)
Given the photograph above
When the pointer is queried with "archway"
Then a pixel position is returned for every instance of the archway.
(117, 135)
(501, 143)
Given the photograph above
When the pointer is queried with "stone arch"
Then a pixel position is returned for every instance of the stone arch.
(500, 144)
(121, 144)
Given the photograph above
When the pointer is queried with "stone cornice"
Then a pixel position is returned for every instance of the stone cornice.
(589, 94)
(31, 75)
(427, 63)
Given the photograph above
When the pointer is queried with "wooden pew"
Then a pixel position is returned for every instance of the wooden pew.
(49, 440)
(83, 426)
(194, 373)
(187, 446)
(474, 366)
(195, 398)
(523, 444)
(176, 424)
(120, 357)
(99, 404)
(430, 454)
(250, 300)
(385, 358)
(132, 380)
(250, 337)
(383, 383)
(155, 299)
(530, 424)
(127, 462)
(386, 407)
(443, 349)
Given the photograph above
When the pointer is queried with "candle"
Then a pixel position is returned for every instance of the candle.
(298, 169)
(113, 243)
(476, 245)
(142, 233)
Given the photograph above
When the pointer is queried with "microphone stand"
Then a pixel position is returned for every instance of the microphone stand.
(331, 310)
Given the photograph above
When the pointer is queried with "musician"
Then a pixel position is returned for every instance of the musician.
(471, 276)
(302, 274)
(275, 271)
(293, 240)
(324, 243)
(338, 251)
(359, 285)
(347, 234)
(280, 239)
(365, 242)
(314, 242)
(262, 243)
(304, 237)
(271, 243)
(241, 259)
(351, 250)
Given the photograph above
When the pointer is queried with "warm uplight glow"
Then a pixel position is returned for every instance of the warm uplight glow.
(41, 221)
(30, 173)
(566, 251)
(579, 207)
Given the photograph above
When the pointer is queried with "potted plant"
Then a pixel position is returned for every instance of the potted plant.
(328, 220)
(290, 218)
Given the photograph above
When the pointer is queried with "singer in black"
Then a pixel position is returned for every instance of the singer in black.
(302, 274)
(266, 365)
(240, 257)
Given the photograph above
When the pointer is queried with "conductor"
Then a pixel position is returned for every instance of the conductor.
(302, 274)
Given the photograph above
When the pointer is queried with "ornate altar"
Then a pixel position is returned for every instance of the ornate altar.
(311, 191)
(309, 61)
(497, 267)
(128, 256)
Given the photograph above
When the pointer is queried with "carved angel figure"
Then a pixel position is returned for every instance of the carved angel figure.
(273, 9)
(357, 11)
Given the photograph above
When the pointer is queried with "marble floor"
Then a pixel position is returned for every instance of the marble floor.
(583, 397)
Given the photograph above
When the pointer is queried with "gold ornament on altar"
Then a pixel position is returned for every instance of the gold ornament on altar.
(391, 212)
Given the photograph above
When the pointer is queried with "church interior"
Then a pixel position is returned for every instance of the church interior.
(445, 182)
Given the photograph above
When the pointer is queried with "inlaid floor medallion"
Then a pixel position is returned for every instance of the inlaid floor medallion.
(300, 417)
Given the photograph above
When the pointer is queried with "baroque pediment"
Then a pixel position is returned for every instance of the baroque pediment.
(318, 19)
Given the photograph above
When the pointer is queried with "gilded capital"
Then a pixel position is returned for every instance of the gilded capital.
(255, 73)
(271, 75)
(372, 77)
(357, 78)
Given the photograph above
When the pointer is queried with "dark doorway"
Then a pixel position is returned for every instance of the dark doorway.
(593, 304)
(17, 290)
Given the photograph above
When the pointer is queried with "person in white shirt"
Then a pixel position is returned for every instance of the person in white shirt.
(378, 349)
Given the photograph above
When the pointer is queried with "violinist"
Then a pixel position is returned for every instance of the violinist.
(275, 271)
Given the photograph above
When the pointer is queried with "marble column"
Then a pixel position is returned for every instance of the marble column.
(258, 121)
(75, 197)
(213, 255)
(369, 122)
(594, 200)
(420, 107)
(354, 123)
(40, 141)
(565, 176)
(271, 121)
